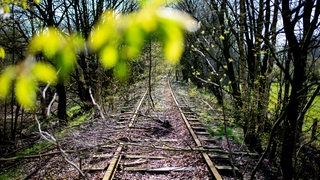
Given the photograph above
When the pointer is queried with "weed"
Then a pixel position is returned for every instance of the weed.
(33, 149)
(73, 110)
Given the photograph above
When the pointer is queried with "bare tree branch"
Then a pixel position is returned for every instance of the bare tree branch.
(96, 104)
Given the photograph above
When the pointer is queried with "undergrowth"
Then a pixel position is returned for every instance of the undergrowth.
(213, 118)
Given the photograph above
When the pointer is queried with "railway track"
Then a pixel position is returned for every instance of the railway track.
(167, 141)
(217, 159)
(146, 135)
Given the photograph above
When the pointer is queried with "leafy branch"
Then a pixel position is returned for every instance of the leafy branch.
(116, 39)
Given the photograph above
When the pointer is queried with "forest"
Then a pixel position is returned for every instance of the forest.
(257, 61)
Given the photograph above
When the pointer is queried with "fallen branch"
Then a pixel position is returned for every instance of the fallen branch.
(50, 104)
(48, 137)
(96, 104)
(33, 156)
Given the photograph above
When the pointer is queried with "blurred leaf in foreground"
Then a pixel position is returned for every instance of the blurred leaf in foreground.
(49, 41)
(6, 78)
(25, 90)
(118, 38)
(45, 73)
(2, 53)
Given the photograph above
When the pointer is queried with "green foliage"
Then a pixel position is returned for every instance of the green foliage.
(311, 114)
(81, 119)
(62, 49)
(25, 90)
(25, 77)
(5, 80)
(33, 149)
(193, 92)
(220, 132)
(116, 38)
(9, 174)
(4, 4)
(73, 110)
(44, 72)
(2, 53)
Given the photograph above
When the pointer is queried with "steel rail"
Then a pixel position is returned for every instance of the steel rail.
(111, 170)
(205, 155)
(135, 114)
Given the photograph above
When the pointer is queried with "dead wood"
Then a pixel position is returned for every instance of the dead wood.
(34, 156)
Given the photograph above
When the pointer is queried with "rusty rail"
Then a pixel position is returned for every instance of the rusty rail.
(210, 164)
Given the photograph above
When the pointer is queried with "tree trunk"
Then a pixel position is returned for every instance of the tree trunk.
(299, 52)
(62, 103)
(14, 131)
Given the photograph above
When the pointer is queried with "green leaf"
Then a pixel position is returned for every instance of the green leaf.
(25, 90)
(105, 31)
(173, 42)
(6, 8)
(146, 19)
(24, 4)
(109, 56)
(173, 50)
(182, 19)
(121, 71)
(45, 72)
(65, 61)
(2, 53)
(6, 80)
(135, 39)
(77, 42)
(48, 42)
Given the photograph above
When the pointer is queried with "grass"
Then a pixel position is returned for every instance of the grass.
(9, 174)
(15, 173)
(219, 131)
(213, 119)
(80, 119)
(42, 144)
(73, 110)
(312, 113)
(33, 149)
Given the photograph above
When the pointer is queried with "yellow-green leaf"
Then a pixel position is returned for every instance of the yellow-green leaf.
(25, 90)
(179, 18)
(105, 30)
(45, 72)
(2, 53)
(66, 60)
(173, 50)
(97, 38)
(121, 71)
(77, 42)
(6, 80)
(135, 39)
(6, 8)
(147, 19)
(24, 4)
(52, 41)
(36, 1)
(48, 41)
(173, 45)
(109, 56)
